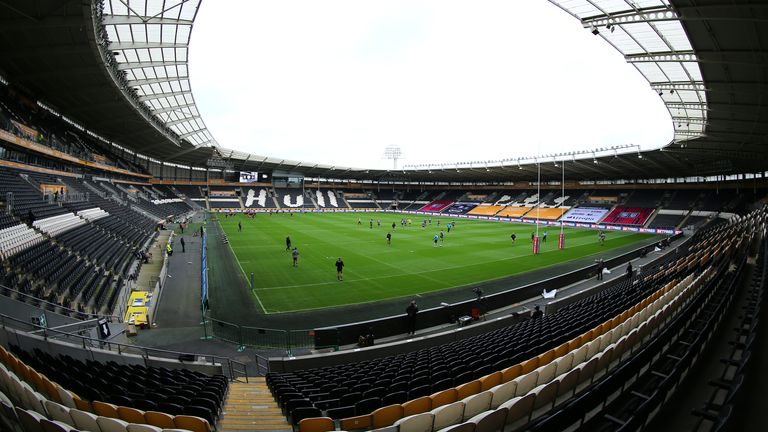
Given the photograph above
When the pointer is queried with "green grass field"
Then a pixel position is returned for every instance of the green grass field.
(473, 252)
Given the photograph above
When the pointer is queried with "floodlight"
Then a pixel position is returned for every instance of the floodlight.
(595, 31)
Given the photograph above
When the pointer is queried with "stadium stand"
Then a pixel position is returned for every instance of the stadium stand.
(667, 220)
(486, 210)
(459, 208)
(360, 200)
(635, 216)
(436, 205)
(546, 213)
(684, 200)
(644, 198)
(513, 212)
(292, 199)
(257, 198)
(569, 357)
(508, 199)
(387, 198)
(329, 198)
(26, 201)
(33, 401)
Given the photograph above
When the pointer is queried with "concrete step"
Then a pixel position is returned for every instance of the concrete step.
(251, 407)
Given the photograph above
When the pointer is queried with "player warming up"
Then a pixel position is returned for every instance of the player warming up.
(340, 269)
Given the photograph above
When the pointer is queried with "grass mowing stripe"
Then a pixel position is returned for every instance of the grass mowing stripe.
(475, 251)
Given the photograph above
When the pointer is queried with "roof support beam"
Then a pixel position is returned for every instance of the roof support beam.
(147, 81)
(140, 65)
(117, 46)
(685, 85)
(146, 98)
(654, 14)
(180, 121)
(671, 56)
(134, 19)
(189, 134)
(171, 108)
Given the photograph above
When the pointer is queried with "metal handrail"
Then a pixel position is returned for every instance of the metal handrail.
(259, 360)
(89, 343)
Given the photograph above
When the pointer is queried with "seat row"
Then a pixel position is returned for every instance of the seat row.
(31, 392)
(716, 412)
(18, 238)
(92, 214)
(532, 386)
(175, 391)
(57, 224)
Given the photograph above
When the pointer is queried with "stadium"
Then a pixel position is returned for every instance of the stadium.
(156, 279)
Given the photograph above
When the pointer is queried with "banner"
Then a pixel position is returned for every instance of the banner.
(585, 214)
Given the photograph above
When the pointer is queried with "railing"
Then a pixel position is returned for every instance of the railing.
(262, 363)
(258, 337)
(232, 368)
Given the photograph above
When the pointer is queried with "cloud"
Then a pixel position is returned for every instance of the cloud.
(338, 81)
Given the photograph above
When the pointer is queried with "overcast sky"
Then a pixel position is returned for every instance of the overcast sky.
(337, 81)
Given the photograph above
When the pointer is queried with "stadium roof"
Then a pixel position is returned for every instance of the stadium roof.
(149, 40)
(706, 59)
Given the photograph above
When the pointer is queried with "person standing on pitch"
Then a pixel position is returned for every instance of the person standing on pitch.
(389, 239)
(340, 269)
(295, 255)
(410, 316)
(239, 226)
(288, 243)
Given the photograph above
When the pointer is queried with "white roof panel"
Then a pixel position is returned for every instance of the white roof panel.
(158, 32)
(650, 36)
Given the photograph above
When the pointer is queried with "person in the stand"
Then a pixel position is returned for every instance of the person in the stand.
(629, 271)
(536, 312)
(410, 316)
(600, 267)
